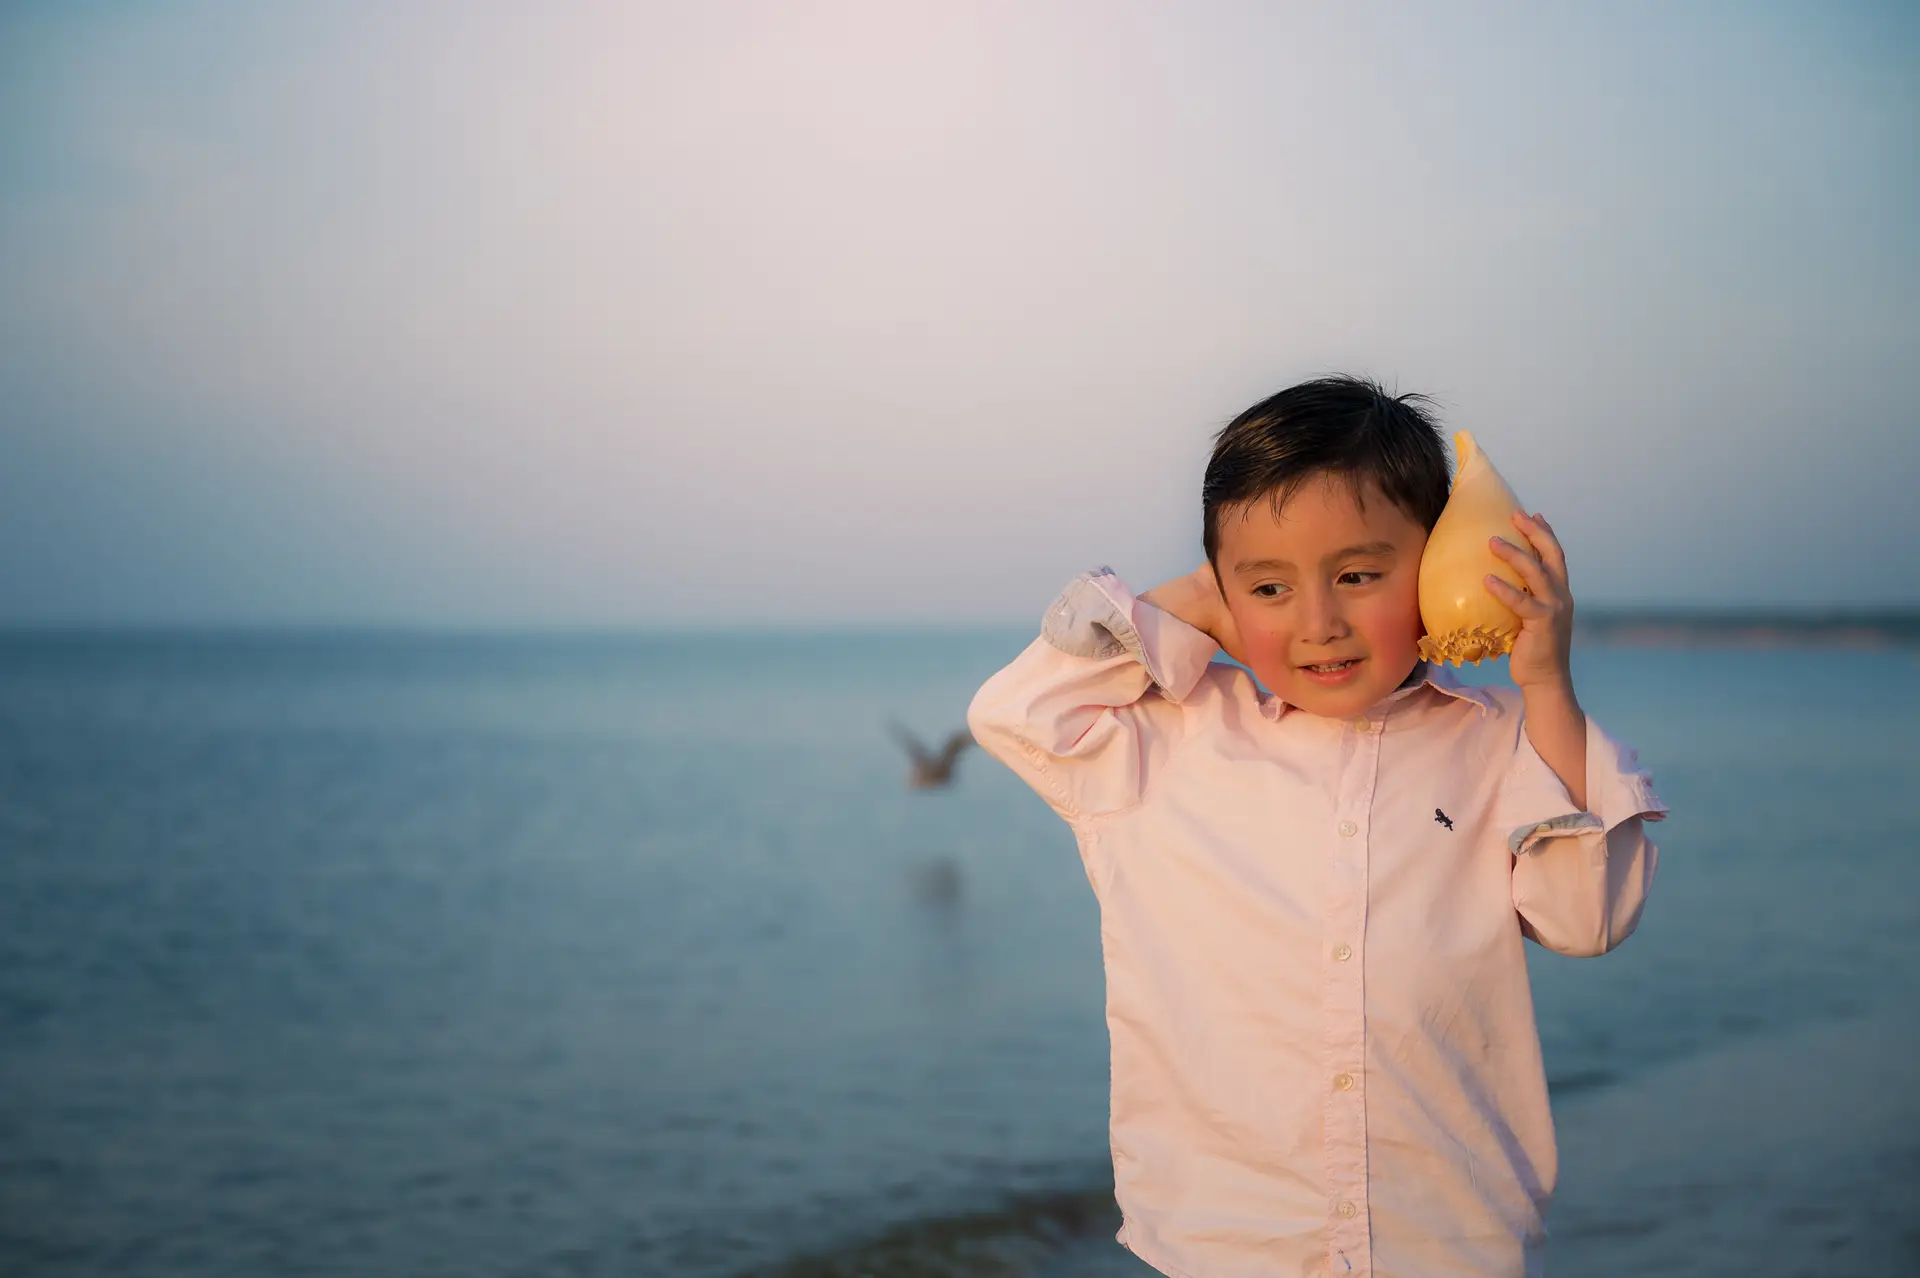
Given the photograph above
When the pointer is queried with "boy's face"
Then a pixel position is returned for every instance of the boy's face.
(1324, 594)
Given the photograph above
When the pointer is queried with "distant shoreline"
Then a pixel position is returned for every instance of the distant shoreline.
(1751, 629)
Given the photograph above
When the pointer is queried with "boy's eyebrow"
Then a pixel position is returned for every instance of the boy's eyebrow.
(1374, 548)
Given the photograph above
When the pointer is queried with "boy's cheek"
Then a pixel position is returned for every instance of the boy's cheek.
(1266, 648)
(1392, 626)
(1266, 653)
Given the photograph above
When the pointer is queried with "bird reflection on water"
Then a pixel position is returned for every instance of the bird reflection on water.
(938, 881)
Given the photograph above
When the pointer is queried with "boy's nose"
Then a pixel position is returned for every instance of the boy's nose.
(1322, 621)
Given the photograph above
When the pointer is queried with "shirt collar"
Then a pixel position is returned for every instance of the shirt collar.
(1425, 674)
(1441, 678)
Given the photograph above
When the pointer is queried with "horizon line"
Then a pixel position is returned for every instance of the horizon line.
(1903, 616)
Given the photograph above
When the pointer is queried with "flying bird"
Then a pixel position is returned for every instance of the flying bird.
(930, 769)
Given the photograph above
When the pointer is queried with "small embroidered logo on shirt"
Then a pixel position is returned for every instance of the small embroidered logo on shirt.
(1442, 818)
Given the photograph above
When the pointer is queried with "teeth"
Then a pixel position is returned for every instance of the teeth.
(1331, 666)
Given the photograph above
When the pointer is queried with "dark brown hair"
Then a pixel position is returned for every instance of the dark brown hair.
(1341, 426)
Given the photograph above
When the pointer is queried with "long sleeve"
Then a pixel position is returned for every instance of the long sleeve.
(1087, 712)
(1580, 879)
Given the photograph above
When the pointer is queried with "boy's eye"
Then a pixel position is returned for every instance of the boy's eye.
(1357, 578)
(1271, 590)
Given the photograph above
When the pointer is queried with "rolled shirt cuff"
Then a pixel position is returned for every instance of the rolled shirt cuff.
(1097, 617)
(1617, 791)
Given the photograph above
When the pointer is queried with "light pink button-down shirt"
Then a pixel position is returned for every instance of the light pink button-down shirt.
(1324, 1053)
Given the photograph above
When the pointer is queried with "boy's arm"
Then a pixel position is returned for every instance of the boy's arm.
(1574, 803)
(1581, 870)
(1072, 715)
(1557, 730)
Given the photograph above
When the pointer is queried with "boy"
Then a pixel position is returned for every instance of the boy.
(1313, 898)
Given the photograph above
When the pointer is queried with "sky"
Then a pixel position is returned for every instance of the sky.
(900, 314)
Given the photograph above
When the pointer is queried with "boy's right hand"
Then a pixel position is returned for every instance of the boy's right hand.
(1196, 600)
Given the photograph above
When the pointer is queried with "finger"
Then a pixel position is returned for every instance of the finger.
(1522, 604)
(1545, 543)
(1531, 572)
(1540, 540)
(1555, 557)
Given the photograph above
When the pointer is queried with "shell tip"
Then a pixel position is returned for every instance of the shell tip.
(1464, 446)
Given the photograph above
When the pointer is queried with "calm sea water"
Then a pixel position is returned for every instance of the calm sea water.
(634, 956)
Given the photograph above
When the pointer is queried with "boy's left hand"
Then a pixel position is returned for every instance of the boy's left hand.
(1542, 654)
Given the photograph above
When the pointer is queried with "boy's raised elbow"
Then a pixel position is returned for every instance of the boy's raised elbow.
(991, 720)
(999, 718)
(986, 729)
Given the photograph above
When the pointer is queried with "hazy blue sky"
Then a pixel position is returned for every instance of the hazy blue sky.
(890, 312)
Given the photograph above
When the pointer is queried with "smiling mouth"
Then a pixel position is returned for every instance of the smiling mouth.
(1333, 667)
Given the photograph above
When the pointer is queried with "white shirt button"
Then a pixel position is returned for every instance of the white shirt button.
(1362, 725)
(1343, 952)
(1349, 829)
(1343, 1081)
(1348, 1210)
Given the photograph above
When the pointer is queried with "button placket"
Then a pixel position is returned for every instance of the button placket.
(1344, 920)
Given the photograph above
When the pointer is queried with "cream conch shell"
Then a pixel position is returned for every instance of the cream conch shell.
(1464, 621)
